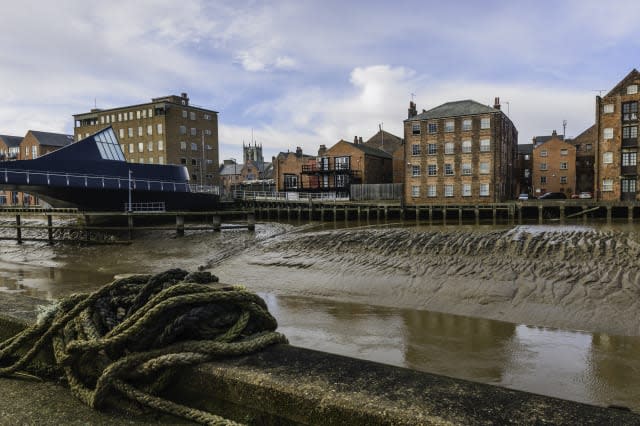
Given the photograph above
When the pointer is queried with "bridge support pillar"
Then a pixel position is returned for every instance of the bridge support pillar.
(18, 229)
(180, 225)
(217, 222)
(251, 221)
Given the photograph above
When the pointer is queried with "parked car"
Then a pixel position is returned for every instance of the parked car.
(553, 196)
(585, 195)
(523, 197)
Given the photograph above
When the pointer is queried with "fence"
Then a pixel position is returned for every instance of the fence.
(144, 207)
(381, 191)
(290, 196)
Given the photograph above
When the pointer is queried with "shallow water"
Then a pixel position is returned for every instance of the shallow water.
(320, 306)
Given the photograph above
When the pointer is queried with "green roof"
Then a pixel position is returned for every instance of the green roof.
(455, 109)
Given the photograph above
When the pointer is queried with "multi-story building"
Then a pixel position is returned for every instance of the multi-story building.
(616, 173)
(462, 152)
(585, 144)
(287, 170)
(9, 147)
(523, 169)
(36, 144)
(392, 145)
(167, 130)
(554, 165)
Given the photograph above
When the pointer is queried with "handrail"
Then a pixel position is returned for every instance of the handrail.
(290, 196)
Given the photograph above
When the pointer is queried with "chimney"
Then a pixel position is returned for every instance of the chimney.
(412, 109)
(360, 140)
(298, 151)
(554, 133)
(355, 140)
(496, 103)
(322, 151)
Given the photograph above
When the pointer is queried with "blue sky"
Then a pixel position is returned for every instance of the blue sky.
(304, 73)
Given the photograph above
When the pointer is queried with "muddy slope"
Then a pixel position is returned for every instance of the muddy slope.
(575, 278)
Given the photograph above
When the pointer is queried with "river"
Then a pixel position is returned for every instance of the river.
(381, 292)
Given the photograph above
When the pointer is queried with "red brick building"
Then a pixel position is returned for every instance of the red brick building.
(554, 166)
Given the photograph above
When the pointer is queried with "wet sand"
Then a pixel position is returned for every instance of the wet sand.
(567, 277)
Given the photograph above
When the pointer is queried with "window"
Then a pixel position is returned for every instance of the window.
(139, 130)
(194, 162)
(183, 161)
(130, 132)
(543, 166)
(107, 118)
(150, 112)
(121, 133)
(629, 158)
(564, 152)
(564, 165)
(138, 114)
(607, 133)
(131, 148)
(587, 147)
(415, 149)
(544, 153)
(485, 123)
(466, 146)
(628, 185)
(192, 115)
(290, 181)
(342, 163)
(209, 147)
(140, 146)
(433, 128)
(527, 173)
(432, 170)
(119, 116)
(150, 160)
(130, 115)
(159, 129)
(34, 152)
(144, 113)
(466, 169)
(543, 179)
(608, 108)
(485, 145)
(448, 169)
(102, 119)
(466, 190)
(449, 126)
(466, 124)
(149, 130)
(160, 145)
(150, 146)
(161, 159)
(194, 146)
(630, 132)
(448, 148)
(607, 157)
(484, 189)
(194, 131)
(207, 116)
(527, 157)
(415, 128)
(448, 190)
(563, 180)
(185, 114)
(183, 146)
(207, 132)
(432, 149)
(431, 191)
(415, 170)
(141, 161)
(607, 185)
(183, 130)
(632, 89)
(484, 168)
(123, 147)
(415, 191)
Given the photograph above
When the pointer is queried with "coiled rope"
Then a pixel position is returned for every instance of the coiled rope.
(131, 336)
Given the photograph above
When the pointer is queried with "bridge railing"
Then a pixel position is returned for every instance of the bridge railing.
(145, 207)
(290, 196)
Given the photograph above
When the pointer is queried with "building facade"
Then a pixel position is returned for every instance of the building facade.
(554, 166)
(287, 170)
(393, 145)
(524, 167)
(167, 130)
(9, 147)
(462, 152)
(585, 144)
(616, 172)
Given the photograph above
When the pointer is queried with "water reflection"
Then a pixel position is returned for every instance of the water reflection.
(598, 369)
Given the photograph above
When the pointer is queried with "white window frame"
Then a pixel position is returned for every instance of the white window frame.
(449, 148)
(432, 191)
(485, 123)
(632, 89)
(415, 170)
(608, 108)
(467, 169)
(415, 191)
(485, 145)
(607, 185)
(484, 168)
(449, 126)
(484, 189)
(607, 157)
(467, 124)
(607, 133)
(466, 146)
(466, 190)
(448, 190)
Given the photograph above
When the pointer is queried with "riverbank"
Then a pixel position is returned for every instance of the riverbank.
(569, 277)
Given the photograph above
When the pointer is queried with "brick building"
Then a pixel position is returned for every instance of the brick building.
(393, 145)
(346, 163)
(462, 152)
(287, 170)
(9, 147)
(554, 166)
(167, 130)
(524, 166)
(585, 144)
(36, 144)
(616, 173)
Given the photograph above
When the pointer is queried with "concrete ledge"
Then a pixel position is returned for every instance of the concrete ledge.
(288, 385)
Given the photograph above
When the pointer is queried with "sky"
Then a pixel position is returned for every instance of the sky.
(303, 73)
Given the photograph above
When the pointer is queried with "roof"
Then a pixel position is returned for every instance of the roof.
(539, 140)
(633, 75)
(11, 141)
(455, 109)
(384, 141)
(525, 148)
(231, 169)
(52, 139)
(367, 149)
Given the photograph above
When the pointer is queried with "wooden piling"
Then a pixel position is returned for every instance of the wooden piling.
(179, 225)
(130, 226)
(217, 222)
(18, 229)
(630, 214)
(50, 229)
(540, 219)
(251, 221)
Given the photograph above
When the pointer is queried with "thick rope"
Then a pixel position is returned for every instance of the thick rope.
(130, 337)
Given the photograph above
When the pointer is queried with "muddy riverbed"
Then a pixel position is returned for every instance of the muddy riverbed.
(474, 302)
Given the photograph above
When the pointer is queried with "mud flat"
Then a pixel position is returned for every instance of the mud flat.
(567, 277)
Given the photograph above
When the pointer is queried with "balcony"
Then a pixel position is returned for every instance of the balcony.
(629, 142)
(629, 170)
